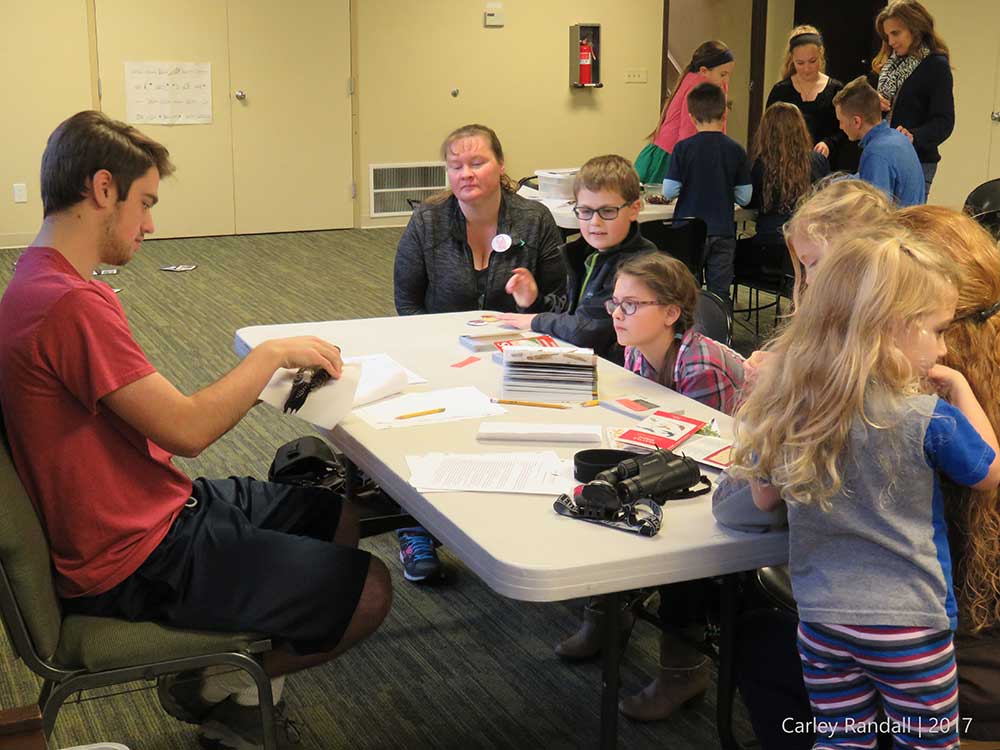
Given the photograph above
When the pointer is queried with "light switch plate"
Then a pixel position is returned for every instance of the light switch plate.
(494, 15)
(20, 192)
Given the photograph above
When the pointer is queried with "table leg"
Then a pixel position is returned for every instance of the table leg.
(350, 478)
(727, 655)
(611, 656)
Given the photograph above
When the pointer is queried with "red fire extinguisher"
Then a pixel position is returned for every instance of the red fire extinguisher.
(586, 62)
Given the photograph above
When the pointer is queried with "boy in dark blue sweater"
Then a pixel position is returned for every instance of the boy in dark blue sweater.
(708, 173)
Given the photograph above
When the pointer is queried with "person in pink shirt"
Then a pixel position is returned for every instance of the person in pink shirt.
(712, 61)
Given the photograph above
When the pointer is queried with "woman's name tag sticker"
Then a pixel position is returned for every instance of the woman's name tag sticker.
(501, 243)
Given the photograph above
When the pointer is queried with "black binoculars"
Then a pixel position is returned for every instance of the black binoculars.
(660, 476)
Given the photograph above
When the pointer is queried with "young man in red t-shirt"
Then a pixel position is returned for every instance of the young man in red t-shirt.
(92, 427)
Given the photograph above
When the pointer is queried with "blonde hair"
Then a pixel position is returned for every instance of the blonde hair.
(784, 147)
(836, 208)
(918, 21)
(787, 66)
(838, 361)
(705, 52)
(610, 172)
(974, 517)
(671, 283)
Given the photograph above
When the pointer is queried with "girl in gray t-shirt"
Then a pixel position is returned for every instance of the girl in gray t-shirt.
(838, 429)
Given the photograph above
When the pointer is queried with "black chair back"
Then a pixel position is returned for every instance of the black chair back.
(984, 198)
(712, 317)
(681, 237)
(990, 220)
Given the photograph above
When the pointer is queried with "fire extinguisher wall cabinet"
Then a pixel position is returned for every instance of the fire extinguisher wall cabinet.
(585, 55)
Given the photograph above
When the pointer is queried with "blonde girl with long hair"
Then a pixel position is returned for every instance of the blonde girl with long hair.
(834, 210)
(804, 84)
(973, 341)
(838, 429)
(713, 62)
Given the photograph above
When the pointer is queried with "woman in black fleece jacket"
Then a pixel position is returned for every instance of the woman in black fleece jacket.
(448, 260)
(914, 80)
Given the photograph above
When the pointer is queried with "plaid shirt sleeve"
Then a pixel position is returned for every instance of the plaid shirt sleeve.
(709, 372)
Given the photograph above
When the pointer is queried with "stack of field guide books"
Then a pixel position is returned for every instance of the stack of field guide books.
(484, 342)
(549, 374)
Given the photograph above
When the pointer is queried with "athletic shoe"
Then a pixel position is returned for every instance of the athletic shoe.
(180, 696)
(416, 552)
(231, 726)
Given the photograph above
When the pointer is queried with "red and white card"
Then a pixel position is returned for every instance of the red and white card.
(662, 429)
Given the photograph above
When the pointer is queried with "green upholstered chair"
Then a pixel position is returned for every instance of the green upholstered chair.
(75, 653)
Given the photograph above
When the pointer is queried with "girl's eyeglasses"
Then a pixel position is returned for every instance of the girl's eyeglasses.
(628, 306)
(607, 213)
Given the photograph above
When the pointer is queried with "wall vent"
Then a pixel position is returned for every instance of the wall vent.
(393, 186)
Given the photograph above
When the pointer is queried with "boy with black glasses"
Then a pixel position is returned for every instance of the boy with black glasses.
(607, 206)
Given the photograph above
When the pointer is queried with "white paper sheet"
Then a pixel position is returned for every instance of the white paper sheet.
(466, 402)
(384, 360)
(541, 473)
(168, 93)
(381, 376)
(325, 406)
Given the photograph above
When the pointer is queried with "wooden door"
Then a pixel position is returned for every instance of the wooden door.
(198, 199)
(292, 154)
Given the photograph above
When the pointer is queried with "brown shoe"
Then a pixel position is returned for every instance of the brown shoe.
(585, 643)
(673, 687)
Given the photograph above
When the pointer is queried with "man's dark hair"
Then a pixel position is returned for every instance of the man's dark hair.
(706, 102)
(88, 142)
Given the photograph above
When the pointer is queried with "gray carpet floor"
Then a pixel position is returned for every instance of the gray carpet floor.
(455, 665)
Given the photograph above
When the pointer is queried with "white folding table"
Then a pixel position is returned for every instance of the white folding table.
(516, 543)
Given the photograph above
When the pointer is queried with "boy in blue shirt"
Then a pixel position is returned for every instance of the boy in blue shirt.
(708, 173)
(888, 159)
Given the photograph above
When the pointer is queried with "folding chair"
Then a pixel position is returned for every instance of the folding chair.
(75, 653)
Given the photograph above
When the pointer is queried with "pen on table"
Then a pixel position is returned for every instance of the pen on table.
(423, 413)
(528, 403)
(594, 402)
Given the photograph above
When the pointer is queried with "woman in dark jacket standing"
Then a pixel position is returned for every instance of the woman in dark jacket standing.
(914, 80)
(460, 249)
(805, 85)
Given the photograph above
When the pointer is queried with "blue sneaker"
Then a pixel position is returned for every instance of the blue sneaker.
(416, 552)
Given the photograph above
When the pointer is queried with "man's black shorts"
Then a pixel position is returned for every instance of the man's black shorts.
(247, 556)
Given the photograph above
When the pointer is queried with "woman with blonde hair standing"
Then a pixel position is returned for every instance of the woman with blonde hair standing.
(914, 80)
(805, 85)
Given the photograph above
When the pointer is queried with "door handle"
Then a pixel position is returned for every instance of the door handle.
(240, 94)
(995, 116)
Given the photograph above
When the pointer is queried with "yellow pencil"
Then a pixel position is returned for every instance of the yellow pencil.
(595, 402)
(528, 403)
(421, 413)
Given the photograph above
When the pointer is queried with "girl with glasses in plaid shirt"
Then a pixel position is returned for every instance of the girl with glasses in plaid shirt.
(652, 310)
